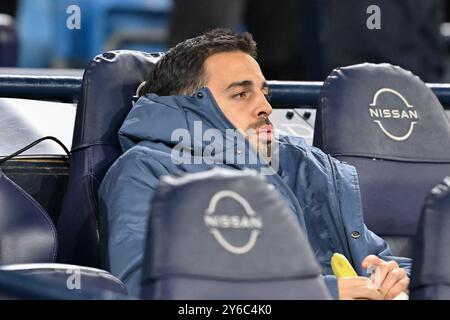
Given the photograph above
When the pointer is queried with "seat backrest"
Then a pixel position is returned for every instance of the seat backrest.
(27, 234)
(236, 240)
(430, 277)
(388, 124)
(28, 246)
(109, 83)
(68, 278)
(8, 41)
(60, 282)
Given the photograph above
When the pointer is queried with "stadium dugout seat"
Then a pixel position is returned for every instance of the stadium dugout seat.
(431, 268)
(109, 83)
(27, 234)
(14, 286)
(237, 240)
(37, 48)
(388, 124)
(28, 246)
(110, 25)
(8, 41)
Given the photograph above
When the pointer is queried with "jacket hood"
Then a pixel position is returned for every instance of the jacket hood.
(161, 119)
(194, 124)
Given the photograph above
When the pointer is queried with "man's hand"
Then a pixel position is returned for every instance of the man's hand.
(394, 279)
(353, 288)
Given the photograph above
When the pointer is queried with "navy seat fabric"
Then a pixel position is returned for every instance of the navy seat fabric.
(388, 124)
(27, 234)
(28, 246)
(70, 277)
(431, 269)
(8, 41)
(109, 83)
(228, 235)
(16, 284)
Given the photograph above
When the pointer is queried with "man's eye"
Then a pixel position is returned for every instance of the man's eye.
(240, 95)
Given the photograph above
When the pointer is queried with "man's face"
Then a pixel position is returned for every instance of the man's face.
(240, 89)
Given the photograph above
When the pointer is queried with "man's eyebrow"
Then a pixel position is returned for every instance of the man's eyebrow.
(245, 83)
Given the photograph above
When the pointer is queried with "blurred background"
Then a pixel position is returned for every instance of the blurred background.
(297, 39)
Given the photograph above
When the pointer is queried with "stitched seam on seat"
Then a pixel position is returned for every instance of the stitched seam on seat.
(324, 105)
(93, 143)
(83, 102)
(90, 184)
(90, 191)
(387, 158)
(166, 275)
(43, 213)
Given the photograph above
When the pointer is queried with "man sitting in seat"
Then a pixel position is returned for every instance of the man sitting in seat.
(206, 104)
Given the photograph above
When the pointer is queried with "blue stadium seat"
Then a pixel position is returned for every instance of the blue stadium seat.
(26, 231)
(109, 83)
(109, 25)
(104, 25)
(431, 268)
(64, 276)
(237, 240)
(388, 124)
(28, 245)
(8, 41)
(19, 284)
(36, 30)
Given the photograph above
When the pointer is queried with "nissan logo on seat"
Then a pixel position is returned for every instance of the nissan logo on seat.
(383, 113)
(250, 222)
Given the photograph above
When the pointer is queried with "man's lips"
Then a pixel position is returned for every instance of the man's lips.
(266, 129)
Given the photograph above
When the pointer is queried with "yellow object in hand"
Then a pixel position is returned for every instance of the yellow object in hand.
(341, 267)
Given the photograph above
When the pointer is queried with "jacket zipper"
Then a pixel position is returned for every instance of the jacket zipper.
(294, 200)
(343, 234)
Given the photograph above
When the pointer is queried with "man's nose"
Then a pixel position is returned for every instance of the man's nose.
(264, 107)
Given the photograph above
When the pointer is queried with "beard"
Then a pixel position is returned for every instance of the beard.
(265, 150)
(261, 141)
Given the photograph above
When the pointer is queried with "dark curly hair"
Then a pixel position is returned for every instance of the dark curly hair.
(181, 70)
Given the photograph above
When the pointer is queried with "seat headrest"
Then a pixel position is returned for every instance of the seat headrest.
(58, 282)
(225, 225)
(382, 111)
(431, 255)
(81, 278)
(109, 84)
(27, 234)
